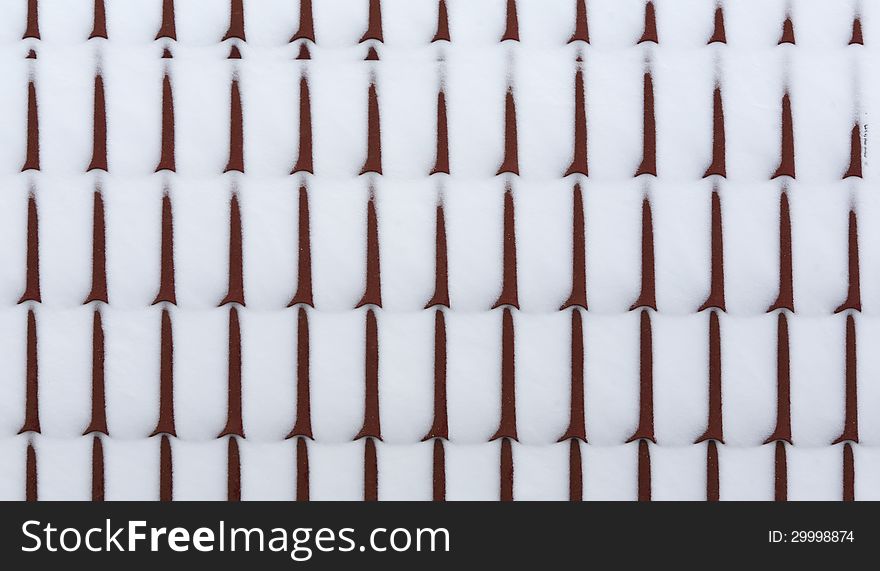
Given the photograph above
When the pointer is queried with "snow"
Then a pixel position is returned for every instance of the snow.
(832, 87)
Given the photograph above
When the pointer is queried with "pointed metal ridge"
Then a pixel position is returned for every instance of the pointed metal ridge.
(849, 474)
(511, 28)
(371, 472)
(97, 469)
(166, 291)
(99, 266)
(233, 471)
(440, 425)
(716, 288)
(99, 128)
(30, 472)
(374, 23)
(713, 491)
(507, 424)
(235, 291)
(31, 55)
(509, 289)
(372, 54)
(166, 470)
(647, 296)
(371, 427)
(373, 286)
(99, 25)
(441, 272)
(649, 132)
(32, 392)
(855, 154)
(167, 157)
(234, 425)
(306, 29)
(442, 32)
(441, 162)
(578, 296)
(32, 29)
(303, 293)
(579, 162)
(787, 31)
(236, 21)
(581, 28)
(644, 468)
(32, 158)
(718, 165)
(853, 297)
(439, 472)
(165, 424)
(780, 477)
(714, 429)
(576, 423)
(575, 472)
(302, 470)
(304, 160)
(719, 35)
(510, 163)
(32, 274)
(303, 53)
(506, 471)
(650, 32)
(302, 426)
(168, 28)
(785, 299)
(98, 422)
(787, 159)
(373, 162)
(856, 38)
(850, 431)
(234, 52)
(645, 429)
(236, 130)
(783, 384)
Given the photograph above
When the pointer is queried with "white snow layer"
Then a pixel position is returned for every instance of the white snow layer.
(832, 86)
